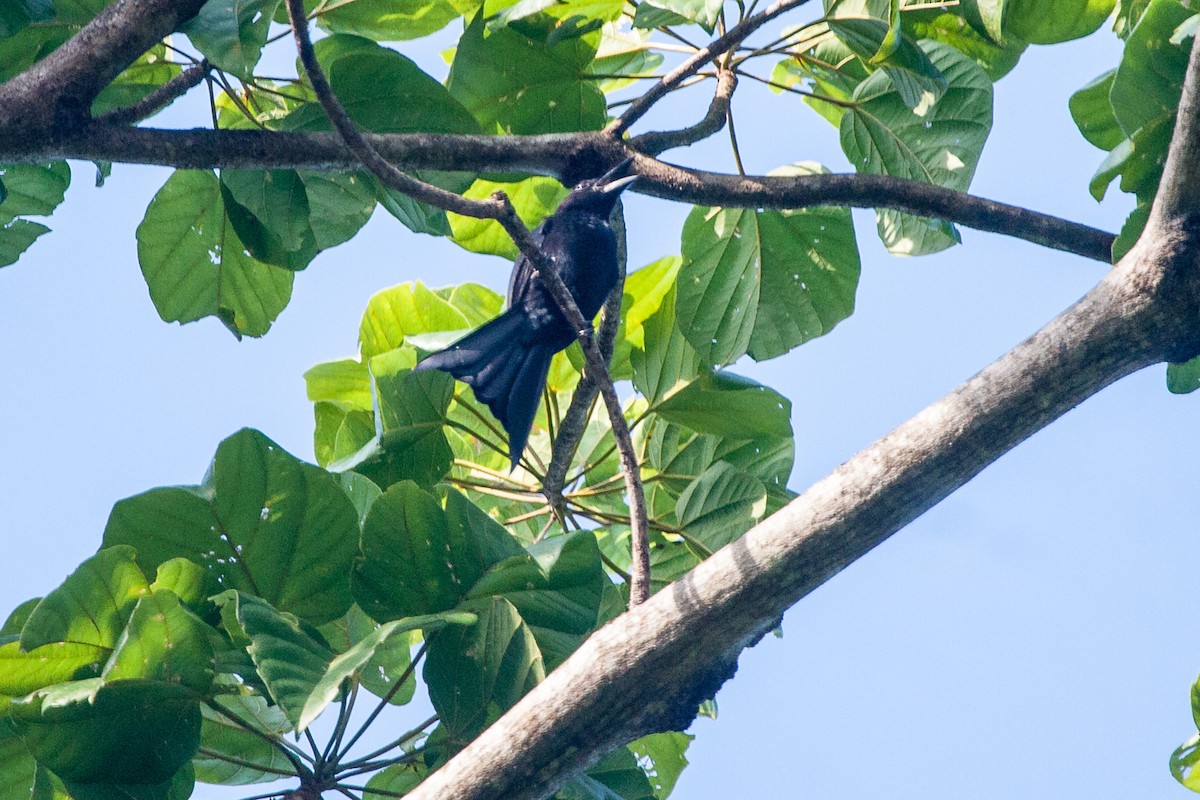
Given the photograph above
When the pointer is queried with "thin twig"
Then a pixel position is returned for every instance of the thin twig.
(657, 142)
(733, 143)
(158, 99)
(736, 35)
(383, 701)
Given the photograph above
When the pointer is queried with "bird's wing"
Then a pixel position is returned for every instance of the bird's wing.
(522, 274)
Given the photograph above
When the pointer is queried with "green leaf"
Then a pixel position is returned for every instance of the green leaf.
(21, 51)
(401, 311)
(286, 217)
(289, 660)
(513, 84)
(913, 75)
(177, 787)
(231, 33)
(1148, 82)
(1053, 21)
(16, 620)
(1184, 378)
(557, 587)
(29, 190)
(395, 780)
(1138, 161)
(728, 405)
(404, 570)
(476, 541)
(997, 60)
(476, 673)
(22, 672)
(700, 12)
(617, 776)
(665, 359)
(195, 266)
(533, 198)
(264, 522)
(940, 145)
(1131, 231)
(721, 505)
(163, 641)
(345, 383)
(1093, 113)
(152, 70)
(92, 606)
(1183, 763)
(764, 282)
(186, 579)
(666, 753)
(389, 20)
(129, 731)
(624, 52)
(17, 766)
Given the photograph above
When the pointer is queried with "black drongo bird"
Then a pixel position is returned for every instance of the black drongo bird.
(506, 360)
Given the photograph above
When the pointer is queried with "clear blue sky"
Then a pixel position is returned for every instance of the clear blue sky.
(1029, 637)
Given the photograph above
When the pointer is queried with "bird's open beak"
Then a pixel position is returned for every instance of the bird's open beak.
(611, 184)
(612, 187)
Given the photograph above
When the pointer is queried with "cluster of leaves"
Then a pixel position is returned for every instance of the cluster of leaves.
(279, 589)
(1130, 112)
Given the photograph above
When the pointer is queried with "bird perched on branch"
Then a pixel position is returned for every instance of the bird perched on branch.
(506, 360)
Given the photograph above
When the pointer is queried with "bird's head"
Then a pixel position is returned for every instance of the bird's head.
(599, 195)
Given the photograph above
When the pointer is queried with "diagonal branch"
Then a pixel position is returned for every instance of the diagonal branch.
(690, 66)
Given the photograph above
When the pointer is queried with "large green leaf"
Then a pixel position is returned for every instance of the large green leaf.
(17, 766)
(28, 190)
(401, 311)
(1053, 21)
(557, 587)
(286, 217)
(195, 266)
(388, 20)
(720, 505)
(1093, 113)
(1148, 82)
(700, 12)
(914, 77)
(939, 145)
(514, 84)
(359, 656)
(264, 522)
(665, 359)
(92, 606)
(764, 282)
(1184, 378)
(231, 33)
(474, 673)
(404, 570)
(128, 731)
(728, 405)
(997, 60)
(666, 752)
(163, 641)
(22, 672)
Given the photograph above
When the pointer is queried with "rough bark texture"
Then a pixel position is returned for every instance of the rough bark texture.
(648, 670)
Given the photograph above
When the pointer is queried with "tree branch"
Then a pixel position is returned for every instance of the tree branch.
(569, 157)
(657, 142)
(693, 64)
(159, 99)
(55, 95)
